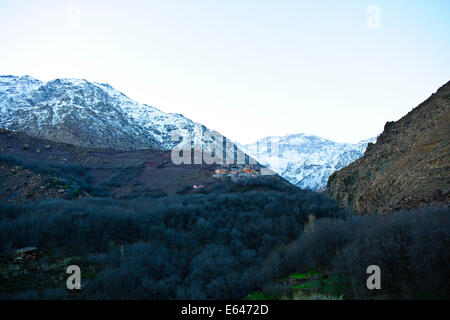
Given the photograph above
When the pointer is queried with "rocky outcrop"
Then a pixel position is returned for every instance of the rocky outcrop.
(408, 166)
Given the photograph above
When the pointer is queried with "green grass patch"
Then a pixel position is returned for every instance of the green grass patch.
(307, 275)
(308, 285)
(259, 296)
(299, 276)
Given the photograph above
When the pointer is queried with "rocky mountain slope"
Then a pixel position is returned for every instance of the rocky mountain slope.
(33, 168)
(409, 165)
(305, 160)
(86, 114)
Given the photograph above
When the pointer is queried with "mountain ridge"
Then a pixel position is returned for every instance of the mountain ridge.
(303, 159)
(407, 167)
(53, 109)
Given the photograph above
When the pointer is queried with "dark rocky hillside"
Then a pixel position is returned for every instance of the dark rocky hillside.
(33, 168)
(407, 167)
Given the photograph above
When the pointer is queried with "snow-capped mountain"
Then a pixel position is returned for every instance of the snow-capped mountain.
(93, 114)
(305, 160)
(86, 113)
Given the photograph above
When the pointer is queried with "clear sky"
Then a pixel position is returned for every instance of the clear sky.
(248, 69)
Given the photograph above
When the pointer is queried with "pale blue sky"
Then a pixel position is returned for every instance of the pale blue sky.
(248, 69)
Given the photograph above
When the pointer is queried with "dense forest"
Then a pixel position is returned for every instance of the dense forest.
(223, 243)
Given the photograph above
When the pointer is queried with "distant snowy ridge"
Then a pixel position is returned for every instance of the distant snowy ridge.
(86, 113)
(305, 160)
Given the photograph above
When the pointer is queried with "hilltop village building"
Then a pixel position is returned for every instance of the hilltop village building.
(236, 171)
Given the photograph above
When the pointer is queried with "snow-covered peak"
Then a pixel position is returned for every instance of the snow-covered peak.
(85, 113)
(305, 160)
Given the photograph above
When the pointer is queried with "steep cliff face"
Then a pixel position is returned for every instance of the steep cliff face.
(409, 164)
